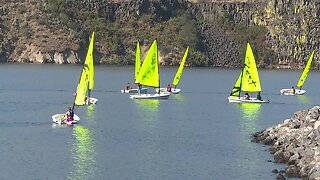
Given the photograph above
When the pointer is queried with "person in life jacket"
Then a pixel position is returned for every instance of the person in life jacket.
(139, 88)
(169, 88)
(128, 87)
(69, 114)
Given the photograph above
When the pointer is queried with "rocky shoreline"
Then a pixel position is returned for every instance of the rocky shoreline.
(296, 142)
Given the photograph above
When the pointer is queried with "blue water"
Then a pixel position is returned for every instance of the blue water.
(197, 134)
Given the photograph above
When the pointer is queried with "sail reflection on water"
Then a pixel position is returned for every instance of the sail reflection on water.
(83, 153)
(148, 111)
(248, 125)
(179, 97)
(250, 116)
(91, 113)
(151, 105)
(304, 99)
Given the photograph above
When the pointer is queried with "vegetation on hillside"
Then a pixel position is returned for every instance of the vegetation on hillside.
(117, 38)
(241, 34)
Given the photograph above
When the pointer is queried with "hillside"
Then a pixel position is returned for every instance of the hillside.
(282, 33)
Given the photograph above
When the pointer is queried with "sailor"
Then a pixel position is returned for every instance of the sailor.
(293, 90)
(139, 88)
(69, 114)
(246, 96)
(259, 97)
(169, 88)
(128, 87)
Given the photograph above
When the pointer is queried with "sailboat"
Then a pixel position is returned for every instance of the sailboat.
(293, 91)
(85, 84)
(248, 81)
(79, 100)
(177, 77)
(149, 75)
(89, 62)
(136, 72)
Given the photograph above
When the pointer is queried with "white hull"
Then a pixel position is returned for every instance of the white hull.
(92, 101)
(242, 100)
(60, 119)
(288, 92)
(143, 90)
(173, 90)
(162, 95)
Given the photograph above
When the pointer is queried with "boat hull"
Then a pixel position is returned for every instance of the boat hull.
(92, 101)
(288, 92)
(61, 119)
(242, 100)
(162, 95)
(143, 90)
(173, 90)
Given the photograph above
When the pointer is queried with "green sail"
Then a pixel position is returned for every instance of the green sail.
(89, 62)
(138, 61)
(236, 89)
(180, 69)
(149, 72)
(250, 78)
(82, 89)
(305, 72)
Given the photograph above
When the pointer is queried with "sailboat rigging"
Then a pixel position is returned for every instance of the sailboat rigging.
(149, 75)
(177, 77)
(85, 85)
(248, 81)
(136, 73)
(303, 77)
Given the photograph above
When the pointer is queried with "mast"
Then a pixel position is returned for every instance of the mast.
(158, 69)
(244, 60)
(74, 99)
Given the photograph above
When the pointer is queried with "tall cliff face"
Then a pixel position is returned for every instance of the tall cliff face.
(292, 27)
(282, 32)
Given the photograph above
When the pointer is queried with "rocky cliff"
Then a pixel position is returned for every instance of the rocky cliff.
(295, 142)
(282, 33)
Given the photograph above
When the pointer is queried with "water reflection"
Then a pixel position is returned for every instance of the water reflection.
(304, 99)
(178, 97)
(83, 153)
(248, 121)
(151, 105)
(248, 125)
(148, 111)
(91, 113)
(250, 113)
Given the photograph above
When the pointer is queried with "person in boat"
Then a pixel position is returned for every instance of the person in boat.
(259, 96)
(293, 90)
(139, 88)
(69, 114)
(169, 88)
(128, 87)
(246, 96)
(87, 100)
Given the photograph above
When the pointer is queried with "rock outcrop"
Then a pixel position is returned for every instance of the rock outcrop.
(283, 33)
(296, 142)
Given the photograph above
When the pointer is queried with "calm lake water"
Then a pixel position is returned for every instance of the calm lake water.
(197, 134)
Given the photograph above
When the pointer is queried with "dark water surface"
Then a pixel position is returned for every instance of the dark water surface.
(197, 134)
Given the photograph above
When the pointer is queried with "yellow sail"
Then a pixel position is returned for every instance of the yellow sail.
(149, 72)
(236, 89)
(82, 89)
(180, 69)
(305, 71)
(250, 81)
(138, 61)
(89, 62)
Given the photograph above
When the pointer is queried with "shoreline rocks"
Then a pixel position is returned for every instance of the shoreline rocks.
(296, 142)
